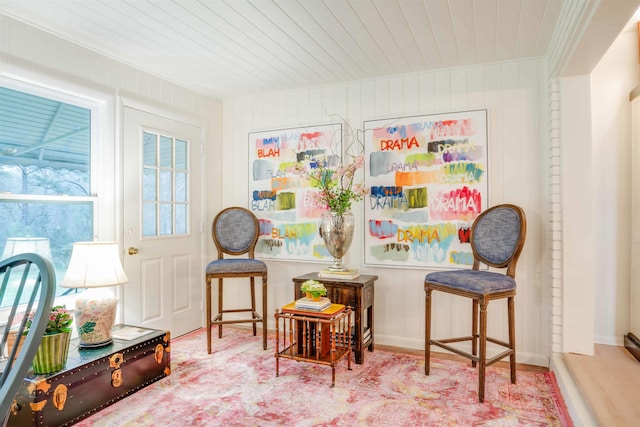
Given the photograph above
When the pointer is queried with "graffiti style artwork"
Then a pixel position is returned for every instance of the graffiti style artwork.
(283, 201)
(427, 177)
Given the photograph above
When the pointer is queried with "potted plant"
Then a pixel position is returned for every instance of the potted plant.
(313, 289)
(54, 347)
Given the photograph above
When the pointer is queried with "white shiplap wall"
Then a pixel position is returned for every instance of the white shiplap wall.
(512, 92)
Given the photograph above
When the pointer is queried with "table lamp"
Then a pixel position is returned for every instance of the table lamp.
(22, 245)
(95, 266)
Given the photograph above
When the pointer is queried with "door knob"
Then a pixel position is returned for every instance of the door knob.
(133, 251)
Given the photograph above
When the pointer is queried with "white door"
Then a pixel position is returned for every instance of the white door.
(162, 223)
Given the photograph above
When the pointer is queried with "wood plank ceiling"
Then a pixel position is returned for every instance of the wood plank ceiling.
(228, 48)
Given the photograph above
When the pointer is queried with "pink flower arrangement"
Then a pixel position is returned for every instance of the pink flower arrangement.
(59, 321)
(337, 189)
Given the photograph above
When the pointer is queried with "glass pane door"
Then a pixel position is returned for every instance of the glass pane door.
(165, 181)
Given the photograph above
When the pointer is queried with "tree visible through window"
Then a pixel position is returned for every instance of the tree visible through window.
(46, 200)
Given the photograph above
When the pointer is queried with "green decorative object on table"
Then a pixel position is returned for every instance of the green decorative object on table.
(54, 348)
(52, 353)
(313, 289)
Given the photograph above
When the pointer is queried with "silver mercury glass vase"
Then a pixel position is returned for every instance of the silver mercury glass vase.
(337, 232)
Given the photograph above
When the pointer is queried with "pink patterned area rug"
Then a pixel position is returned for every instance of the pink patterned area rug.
(236, 385)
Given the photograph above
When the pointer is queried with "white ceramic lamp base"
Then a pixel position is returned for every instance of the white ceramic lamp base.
(94, 317)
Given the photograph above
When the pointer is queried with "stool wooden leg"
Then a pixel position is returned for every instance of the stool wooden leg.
(512, 338)
(278, 340)
(483, 350)
(264, 312)
(208, 304)
(220, 294)
(427, 332)
(474, 330)
(253, 303)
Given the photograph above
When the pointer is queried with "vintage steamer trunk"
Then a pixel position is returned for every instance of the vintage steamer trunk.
(92, 380)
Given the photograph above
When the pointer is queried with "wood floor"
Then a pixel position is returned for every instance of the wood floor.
(609, 382)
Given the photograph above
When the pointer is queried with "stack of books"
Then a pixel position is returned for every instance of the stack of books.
(305, 304)
(346, 274)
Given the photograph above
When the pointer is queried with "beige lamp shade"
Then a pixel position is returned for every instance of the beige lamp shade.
(23, 245)
(94, 265)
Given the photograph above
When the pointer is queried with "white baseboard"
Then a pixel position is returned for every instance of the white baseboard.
(607, 340)
(402, 342)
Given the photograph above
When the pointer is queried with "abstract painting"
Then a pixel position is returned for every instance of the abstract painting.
(284, 203)
(427, 178)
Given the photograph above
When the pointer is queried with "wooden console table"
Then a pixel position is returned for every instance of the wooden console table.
(356, 293)
(317, 337)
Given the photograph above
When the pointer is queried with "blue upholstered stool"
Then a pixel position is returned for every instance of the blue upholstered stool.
(235, 232)
(497, 238)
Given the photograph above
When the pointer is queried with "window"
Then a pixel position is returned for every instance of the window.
(46, 199)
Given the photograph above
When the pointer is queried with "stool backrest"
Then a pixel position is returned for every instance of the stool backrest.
(497, 237)
(235, 231)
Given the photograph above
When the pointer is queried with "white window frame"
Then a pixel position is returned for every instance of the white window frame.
(105, 177)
